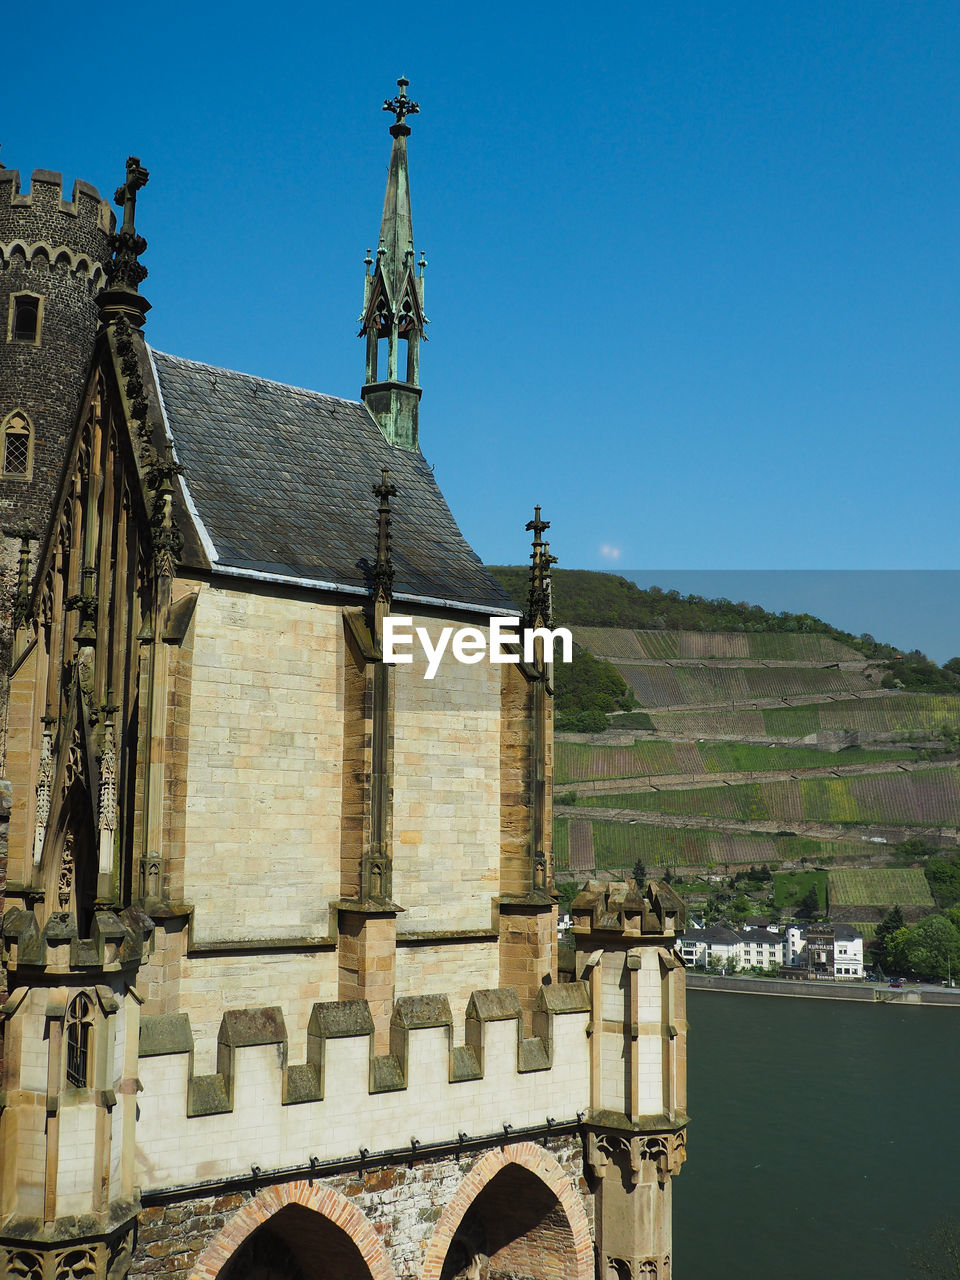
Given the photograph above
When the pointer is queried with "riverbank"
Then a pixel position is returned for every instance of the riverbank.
(863, 992)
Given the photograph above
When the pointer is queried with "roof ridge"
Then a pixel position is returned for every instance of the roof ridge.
(256, 377)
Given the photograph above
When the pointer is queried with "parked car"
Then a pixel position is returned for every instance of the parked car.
(896, 982)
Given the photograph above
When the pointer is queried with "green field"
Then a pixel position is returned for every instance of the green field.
(789, 888)
(927, 797)
(580, 762)
(879, 887)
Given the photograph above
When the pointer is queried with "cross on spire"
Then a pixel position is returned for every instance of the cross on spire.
(125, 271)
(401, 106)
(126, 196)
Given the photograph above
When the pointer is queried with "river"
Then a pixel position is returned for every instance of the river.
(823, 1137)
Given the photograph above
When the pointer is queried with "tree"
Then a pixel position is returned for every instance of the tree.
(891, 923)
(931, 949)
(943, 877)
(640, 873)
(809, 903)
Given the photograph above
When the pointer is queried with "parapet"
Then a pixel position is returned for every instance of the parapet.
(259, 1109)
(42, 219)
(622, 908)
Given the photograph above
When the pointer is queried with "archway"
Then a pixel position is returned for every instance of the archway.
(514, 1217)
(299, 1231)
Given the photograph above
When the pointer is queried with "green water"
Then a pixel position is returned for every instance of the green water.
(824, 1137)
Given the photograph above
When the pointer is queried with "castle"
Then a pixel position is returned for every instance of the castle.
(279, 930)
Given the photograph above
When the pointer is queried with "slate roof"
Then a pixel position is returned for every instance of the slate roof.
(846, 933)
(281, 479)
(716, 933)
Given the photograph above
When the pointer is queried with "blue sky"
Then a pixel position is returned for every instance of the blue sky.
(694, 278)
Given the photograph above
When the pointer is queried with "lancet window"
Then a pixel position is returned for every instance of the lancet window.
(79, 1027)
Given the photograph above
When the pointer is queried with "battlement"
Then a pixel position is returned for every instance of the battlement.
(115, 941)
(40, 222)
(259, 1110)
(621, 908)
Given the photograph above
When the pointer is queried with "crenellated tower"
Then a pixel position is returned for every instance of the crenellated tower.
(53, 260)
(393, 297)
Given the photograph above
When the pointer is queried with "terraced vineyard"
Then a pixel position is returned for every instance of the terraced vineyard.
(581, 762)
(677, 686)
(878, 887)
(895, 713)
(613, 643)
(722, 686)
(617, 845)
(926, 798)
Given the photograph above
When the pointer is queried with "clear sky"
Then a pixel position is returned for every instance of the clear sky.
(694, 278)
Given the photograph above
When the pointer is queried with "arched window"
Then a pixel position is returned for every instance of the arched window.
(78, 1028)
(26, 310)
(17, 446)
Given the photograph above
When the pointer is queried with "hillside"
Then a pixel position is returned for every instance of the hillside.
(774, 743)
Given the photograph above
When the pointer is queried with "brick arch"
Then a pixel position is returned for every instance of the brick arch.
(543, 1166)
(328, 1203)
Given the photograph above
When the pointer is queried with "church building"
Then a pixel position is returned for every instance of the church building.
(280, 982)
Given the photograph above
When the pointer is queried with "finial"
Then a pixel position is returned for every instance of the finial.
(125, 272)
(22, 602)
(383, 569)
(401, 106)
(422, 264)
(539, 599)
(368, 261)
(126, 269)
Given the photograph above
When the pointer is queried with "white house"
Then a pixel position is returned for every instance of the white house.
(846, 959)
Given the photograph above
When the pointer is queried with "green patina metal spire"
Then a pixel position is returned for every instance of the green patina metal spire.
(393, 297)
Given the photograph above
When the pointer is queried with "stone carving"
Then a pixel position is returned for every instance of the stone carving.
(667, 1151)
(65, 878)
(126, 271)
(382, 583)
(24, 1264)
(44, 790)
(108, 790)
(618, 1269)
(74, 765)
(76, 1264)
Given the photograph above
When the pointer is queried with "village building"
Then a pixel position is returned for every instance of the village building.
(280, 930)
(720, 946)
(823, 951)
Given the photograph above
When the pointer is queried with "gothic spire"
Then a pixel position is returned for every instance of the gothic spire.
(540, 597)
(393, 296)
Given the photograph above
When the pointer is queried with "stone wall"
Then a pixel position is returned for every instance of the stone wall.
(262, 1109)
(263, 786)
(411, 1210)
(446, 791)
